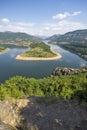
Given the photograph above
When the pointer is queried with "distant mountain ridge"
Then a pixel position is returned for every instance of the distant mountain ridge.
(74, 36)
(55, 36)
(17, 38)
(75, 42)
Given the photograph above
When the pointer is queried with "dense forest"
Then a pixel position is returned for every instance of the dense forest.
(65, 87)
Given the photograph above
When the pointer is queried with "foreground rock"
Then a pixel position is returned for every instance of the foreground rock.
(67, 71)
(9, 112)
(54, 114)
(4, 126)
(37, 113)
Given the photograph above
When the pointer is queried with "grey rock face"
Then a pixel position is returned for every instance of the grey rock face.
(61, 115)
(67, 71)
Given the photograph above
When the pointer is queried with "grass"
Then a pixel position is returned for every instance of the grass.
(39, 50)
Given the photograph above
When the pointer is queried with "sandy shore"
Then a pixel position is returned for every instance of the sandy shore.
(7, 49)
(58, 56)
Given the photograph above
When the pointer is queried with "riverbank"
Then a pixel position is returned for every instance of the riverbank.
(3, 51)
(58, 56)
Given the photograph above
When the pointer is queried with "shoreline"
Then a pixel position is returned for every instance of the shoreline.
(2, 52)
(58, 56)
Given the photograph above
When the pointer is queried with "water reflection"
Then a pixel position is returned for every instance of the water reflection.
(9, 66)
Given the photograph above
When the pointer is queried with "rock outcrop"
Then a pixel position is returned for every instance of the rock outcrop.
(9, 112)
(67, 71)
(4, 126)
(49, 114)
(37, 113)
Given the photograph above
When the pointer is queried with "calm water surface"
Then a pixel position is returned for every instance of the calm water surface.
(9, 66)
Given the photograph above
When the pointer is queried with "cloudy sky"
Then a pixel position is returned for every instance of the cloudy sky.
(43, 17)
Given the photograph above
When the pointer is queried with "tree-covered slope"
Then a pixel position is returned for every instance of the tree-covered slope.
(75, 42)
(19, 39)
(71, 37)
(66, 87)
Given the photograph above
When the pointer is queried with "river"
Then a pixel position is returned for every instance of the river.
(9, 66)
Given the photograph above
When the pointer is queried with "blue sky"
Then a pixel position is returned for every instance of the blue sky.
(43, 17)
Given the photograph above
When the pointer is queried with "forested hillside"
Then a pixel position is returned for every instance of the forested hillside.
(66, 87)
(75, 42)
(78, 36)
(18, 39)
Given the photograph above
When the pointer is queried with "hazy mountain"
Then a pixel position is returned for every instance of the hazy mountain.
(75, 42)
(55, 36)
(17, 38)
(71, 37)
(41, 37)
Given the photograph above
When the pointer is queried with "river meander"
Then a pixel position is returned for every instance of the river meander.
(9, 66)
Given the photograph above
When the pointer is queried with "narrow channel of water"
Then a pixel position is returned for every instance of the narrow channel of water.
(9, 66)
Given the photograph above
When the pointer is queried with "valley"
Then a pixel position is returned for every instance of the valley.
(43, 65)
(75, 42)
(56, 81)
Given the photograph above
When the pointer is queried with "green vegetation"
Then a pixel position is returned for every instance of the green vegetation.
(75, 42)
(77, 48)
(18, 39)
(66, 87)
(2, 49)
(78, 36)
(39, 49)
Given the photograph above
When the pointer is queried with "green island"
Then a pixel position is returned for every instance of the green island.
(3, 49)
(39, 50)
(65, 87)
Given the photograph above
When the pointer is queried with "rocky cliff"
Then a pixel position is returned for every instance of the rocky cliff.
(37, 113)
(9, 113)
(4, 126)
(67, 71)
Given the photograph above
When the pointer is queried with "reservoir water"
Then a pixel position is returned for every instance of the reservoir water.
(9, 66)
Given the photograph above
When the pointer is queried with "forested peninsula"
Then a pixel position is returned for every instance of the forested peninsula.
(39, 51)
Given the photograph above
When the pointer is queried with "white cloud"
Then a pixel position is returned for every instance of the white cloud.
(65, 15)
(18, 27)
(63, 26)
(76, 13)
(23, 24)
(61, 16)
(5, 20)
(45, 29)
